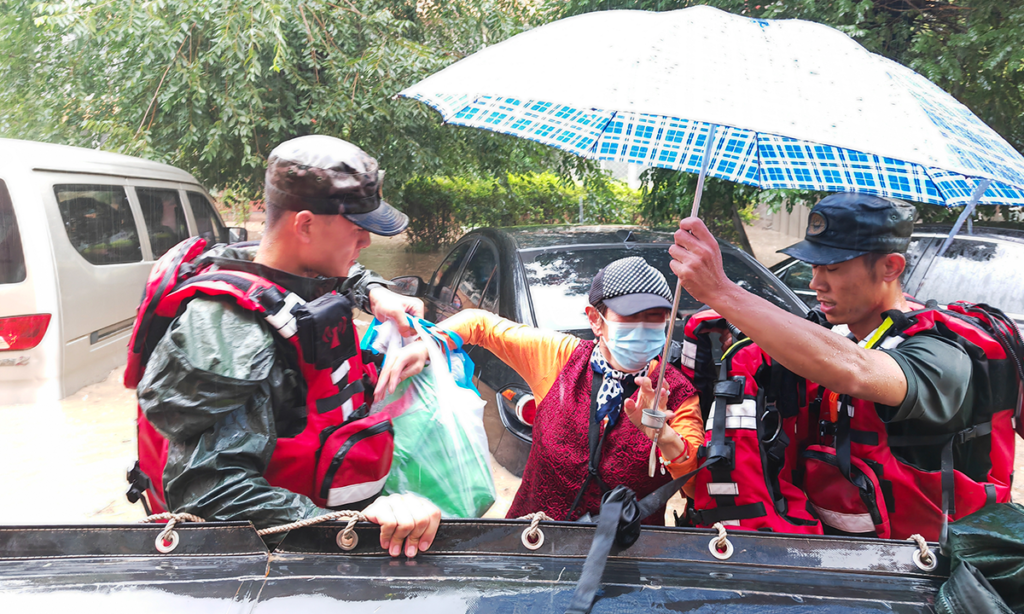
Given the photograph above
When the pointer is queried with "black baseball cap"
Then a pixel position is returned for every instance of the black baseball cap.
(327, 175)
(844, 226)
(629, 286)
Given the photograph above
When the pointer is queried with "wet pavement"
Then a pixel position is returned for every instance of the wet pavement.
(64, 462)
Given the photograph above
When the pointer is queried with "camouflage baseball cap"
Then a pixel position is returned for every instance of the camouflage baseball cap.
(329, 176)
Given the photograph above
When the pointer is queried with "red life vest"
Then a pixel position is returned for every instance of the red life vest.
(838, 464)
(342, 457)
(879, 492)
(761, 402)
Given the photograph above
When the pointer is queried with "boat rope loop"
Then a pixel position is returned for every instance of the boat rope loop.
(167, 540)
(533, 537)
(720, 546)
(923, 558)
(347, 538)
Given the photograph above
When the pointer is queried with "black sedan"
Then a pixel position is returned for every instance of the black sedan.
(983, 266)
(541, 276)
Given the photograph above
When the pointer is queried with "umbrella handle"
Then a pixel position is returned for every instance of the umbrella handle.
(679, 283)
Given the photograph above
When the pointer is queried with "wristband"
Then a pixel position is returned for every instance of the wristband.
(684, 455)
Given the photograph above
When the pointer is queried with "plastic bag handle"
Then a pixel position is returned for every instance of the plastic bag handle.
(434, 344)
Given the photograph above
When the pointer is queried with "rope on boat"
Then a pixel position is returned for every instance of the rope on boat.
(347, 538)
(720, 546)
(923, 558)
(533, 537)
(167, 540)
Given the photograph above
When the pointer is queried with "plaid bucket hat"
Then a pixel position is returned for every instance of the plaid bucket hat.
(629, 286)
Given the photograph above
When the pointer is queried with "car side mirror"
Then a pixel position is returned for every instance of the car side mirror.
(409, 285)
(237, 234)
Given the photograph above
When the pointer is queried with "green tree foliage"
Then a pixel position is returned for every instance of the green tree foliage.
(970, 48)
(213, 85)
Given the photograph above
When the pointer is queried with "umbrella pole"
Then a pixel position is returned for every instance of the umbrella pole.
(964, 215)
(705, 162)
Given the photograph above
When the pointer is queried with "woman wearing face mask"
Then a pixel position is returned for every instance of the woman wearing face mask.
(577, 383)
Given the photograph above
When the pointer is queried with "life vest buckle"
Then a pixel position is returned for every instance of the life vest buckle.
(731, 389)
(826, 429)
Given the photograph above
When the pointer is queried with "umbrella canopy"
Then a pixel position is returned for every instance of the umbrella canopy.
(799, 105)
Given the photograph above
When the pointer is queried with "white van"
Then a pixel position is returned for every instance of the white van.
(79, 231)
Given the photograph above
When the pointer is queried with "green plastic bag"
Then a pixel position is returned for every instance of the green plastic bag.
(441, 450)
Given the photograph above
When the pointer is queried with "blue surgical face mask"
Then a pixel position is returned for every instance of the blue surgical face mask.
(634, 344)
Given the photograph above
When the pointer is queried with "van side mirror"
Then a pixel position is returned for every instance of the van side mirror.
(409, 285)
(237, 234)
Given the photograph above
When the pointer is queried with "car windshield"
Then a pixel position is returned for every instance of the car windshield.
(560, 280)
(979, 271)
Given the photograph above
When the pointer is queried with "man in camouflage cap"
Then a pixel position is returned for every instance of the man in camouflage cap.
(219, 386)
(323, 199)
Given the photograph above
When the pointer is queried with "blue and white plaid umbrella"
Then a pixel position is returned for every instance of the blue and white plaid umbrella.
(796, 104)
(777, 104)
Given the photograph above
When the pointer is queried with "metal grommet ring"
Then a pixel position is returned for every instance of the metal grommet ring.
(347, 539)
(538, 538)
(778, 424)
(715, 552)
(168, 543)
(926, 566)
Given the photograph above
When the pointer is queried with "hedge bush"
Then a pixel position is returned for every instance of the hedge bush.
(440, 209)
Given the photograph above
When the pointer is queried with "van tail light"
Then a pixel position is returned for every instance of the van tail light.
(23, 332)
(519, 403)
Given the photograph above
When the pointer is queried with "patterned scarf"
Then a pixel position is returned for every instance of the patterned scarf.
(611, 396)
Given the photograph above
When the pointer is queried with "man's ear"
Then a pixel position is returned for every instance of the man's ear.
(893, 267)
(302, 226)
(595, 320)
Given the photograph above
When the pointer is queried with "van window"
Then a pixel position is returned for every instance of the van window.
(208, 225)
(165, 218)
(99, 222)
(12, 258)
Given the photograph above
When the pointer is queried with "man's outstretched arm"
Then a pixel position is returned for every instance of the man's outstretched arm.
(803, 347)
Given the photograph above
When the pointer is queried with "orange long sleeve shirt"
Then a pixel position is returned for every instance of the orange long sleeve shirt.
(539, 356)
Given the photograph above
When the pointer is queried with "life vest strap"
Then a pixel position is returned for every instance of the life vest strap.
(733, 512)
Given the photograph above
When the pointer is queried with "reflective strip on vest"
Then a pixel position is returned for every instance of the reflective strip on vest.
(689, 356)
(737, 415)
(340, 373)
(354, 492)
(723, 489)
(872, 339)
(891, 342)
(851, 523)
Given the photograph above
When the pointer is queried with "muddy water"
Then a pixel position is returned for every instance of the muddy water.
(385, 255)
(388, 256)
(65, 462)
